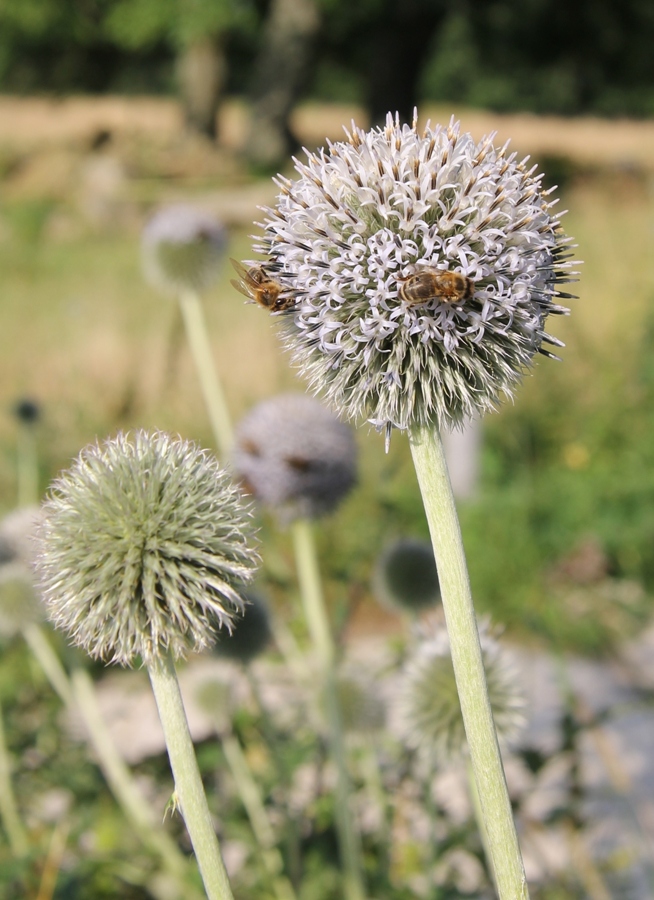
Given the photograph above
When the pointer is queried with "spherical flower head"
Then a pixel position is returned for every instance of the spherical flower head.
(430, 707)
(144, 549)
(250, 633)
(295, 456)
(405, 576)
(182, 249)
(363, 238)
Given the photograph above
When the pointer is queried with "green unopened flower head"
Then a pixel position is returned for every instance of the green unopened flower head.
(144, 549)
(250, 633)
(430, 707)
(183, 249)
(405, 575)
(295, 456)
(424, 266)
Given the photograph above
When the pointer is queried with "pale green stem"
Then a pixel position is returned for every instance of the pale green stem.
(212, 391)
(315, 613)
(479, 818)
(438, 500)
(13, 826)
(78, 694)
(28, 468)
(49, 662)
(120, 779)
(189, 791)
(263, 831)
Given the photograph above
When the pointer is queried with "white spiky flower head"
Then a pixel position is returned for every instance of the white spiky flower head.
(295, 456)
(369, 213)
(429, 705)
(144, 548)
(182, 248)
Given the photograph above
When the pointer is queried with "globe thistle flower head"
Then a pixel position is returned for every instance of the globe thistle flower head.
(250, 633)
(182, 249)
(405, 576)
(144, 548)
(430, 708)
(295, 456)
(424, 266)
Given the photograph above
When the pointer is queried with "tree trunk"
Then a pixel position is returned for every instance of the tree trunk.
(201, 72)
(280, 70)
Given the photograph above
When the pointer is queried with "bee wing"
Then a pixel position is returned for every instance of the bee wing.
(240, 268)
(241, 288)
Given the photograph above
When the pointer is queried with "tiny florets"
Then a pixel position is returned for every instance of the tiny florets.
(430, 708)
(295, 456)
(424, 266)
(144, 549)
(182, 248)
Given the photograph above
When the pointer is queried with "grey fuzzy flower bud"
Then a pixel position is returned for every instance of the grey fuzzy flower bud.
(430, 706)
(295, 456)
(405, 575)
(424, 266)
(182, 249)
(144, 549)
(250, 633)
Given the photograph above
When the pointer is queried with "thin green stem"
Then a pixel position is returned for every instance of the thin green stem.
(438, 500)
(16, 834)
(189, 790)
(78, 694)
(315, 612)
(212, 391)
(120, 779)
(28, 466)
(261, 827)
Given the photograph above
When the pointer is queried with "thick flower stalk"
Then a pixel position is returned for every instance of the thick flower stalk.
(422, 268)
(143, 551)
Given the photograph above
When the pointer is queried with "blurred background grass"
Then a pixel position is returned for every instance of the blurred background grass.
(560, 534)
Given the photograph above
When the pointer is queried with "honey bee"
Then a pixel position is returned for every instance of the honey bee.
(260, 286)
(436, 284)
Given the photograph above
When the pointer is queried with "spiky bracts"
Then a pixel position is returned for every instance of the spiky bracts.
(366, 214)
(144, 548)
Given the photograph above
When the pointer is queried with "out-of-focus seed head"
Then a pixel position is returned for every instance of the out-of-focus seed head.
(295, 456)
(27, 411)
(430, 706)
(405, 576)
(424, 266)
(17, 533)
(183, 249)
(250, 633)
(144, 549)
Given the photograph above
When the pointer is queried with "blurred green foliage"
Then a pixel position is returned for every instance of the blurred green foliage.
(539, 55)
